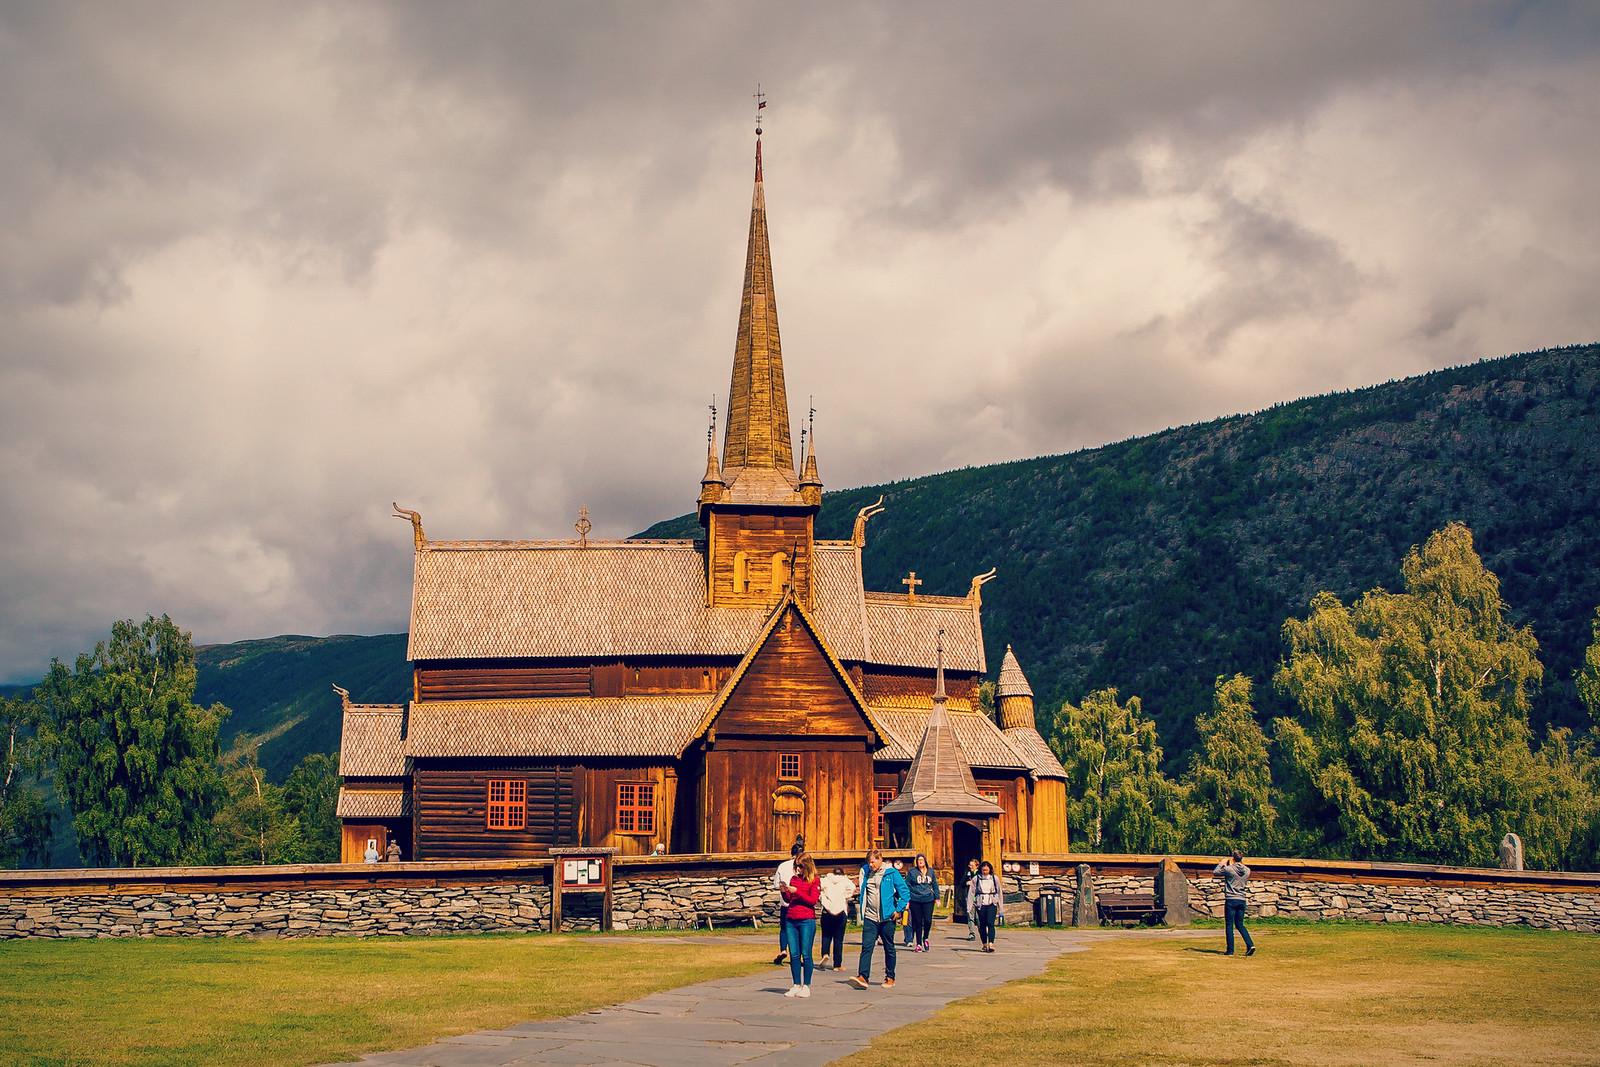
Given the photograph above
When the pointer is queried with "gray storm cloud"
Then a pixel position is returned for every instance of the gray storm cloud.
(265, 268)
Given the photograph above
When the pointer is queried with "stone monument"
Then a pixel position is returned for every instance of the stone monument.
(1511, 853)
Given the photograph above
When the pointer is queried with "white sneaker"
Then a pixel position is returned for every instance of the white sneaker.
(805, 991)
(794, 991)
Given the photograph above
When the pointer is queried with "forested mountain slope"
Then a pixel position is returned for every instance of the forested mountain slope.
(1158, 563)
(282, 688)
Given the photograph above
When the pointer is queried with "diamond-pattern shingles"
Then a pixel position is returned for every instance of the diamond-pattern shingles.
(374, 803)
(1034, 749)
(556, 726)
(370, 746)
(981, 741)
(627, 599)
(905, 633)
(839, 612)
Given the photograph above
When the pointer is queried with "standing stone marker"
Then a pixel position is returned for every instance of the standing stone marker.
(1083, 909)
(1511, 853)
(1172, 892)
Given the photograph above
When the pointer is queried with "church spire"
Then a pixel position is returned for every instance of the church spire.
(757, 433)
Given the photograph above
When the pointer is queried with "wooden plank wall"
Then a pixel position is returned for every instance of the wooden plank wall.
(599, 814)
(876, 682)
(759, 536)
(451, 813)
(790, 688)
(742, 776)
(1013, 797)
(520, 679)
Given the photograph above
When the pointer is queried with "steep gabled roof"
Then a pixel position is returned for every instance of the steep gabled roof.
(788, 602)
(981, 741)
(387, 803)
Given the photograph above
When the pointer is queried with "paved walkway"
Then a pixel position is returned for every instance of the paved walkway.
(749, 1021)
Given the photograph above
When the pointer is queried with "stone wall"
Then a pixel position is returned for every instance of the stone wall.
(672, 902)
(1464, 905)
(668, 892)
(281, 913)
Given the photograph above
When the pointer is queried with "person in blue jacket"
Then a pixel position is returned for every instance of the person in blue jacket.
(884, 895)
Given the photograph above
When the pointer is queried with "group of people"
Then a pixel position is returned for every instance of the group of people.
(887, 896)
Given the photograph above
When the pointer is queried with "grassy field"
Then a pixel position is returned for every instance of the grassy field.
(282, 1003)
(1326, 994)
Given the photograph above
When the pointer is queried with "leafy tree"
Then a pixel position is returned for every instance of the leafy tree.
(310, 800)
(25, 823)
(136, 760)
(1413, 737)
(250, 825)
(1229, 781)
(1112, 758)
(1589, 675)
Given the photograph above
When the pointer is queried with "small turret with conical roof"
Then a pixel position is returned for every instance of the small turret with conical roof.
(1013, 695)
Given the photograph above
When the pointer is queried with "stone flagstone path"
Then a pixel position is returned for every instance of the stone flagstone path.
(749, 1021)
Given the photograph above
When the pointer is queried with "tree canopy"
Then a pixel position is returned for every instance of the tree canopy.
(1119, 801)
(135, 758)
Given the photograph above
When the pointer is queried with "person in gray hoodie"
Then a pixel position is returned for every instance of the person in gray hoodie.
(1235, 876)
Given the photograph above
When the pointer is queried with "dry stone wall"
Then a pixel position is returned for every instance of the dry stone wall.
(674, 903)
(281, 913)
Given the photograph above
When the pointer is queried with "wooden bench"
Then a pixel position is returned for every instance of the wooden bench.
(1130, 908)
(711, 918)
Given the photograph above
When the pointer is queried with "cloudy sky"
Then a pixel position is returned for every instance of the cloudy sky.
(266, 268)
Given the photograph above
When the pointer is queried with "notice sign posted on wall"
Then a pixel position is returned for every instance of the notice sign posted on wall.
(583, 872)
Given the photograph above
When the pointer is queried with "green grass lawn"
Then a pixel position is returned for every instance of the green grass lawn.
(1314, 993)
(283, 1003)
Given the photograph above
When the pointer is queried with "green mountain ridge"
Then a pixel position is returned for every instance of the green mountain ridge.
(1157, 563)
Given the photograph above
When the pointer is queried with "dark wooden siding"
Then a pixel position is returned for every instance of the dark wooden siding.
(790, 688)
(759, 536)
(518, 679)
(890, 682)
(451, 812)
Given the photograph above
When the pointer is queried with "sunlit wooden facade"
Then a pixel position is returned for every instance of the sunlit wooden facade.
(719, 694)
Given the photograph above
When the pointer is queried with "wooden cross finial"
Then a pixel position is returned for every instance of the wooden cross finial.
(911, 584)
(583, 526)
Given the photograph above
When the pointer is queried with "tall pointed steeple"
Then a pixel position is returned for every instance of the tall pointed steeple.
(757, 433)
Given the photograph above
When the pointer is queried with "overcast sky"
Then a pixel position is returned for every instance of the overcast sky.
(266, 268)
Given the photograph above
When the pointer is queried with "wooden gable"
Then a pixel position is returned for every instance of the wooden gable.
(791, 686)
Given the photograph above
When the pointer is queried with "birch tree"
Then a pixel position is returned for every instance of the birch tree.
(1121, 800)
(1229, 781)
(1412, 738)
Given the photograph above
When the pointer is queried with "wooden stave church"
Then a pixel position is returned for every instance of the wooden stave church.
(745, 683)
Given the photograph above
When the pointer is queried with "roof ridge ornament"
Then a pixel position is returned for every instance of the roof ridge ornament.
(859, 537)
(583, 526)
(975, 594)
(420, 538)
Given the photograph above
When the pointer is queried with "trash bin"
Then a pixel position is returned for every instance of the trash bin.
(1047, 909)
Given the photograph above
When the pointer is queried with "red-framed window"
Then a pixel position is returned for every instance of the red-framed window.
(884, 796)
(508, 804)
(789, 767)
(636, 807)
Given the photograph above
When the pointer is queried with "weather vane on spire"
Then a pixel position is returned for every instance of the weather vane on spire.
(711, 431)
(761, 105)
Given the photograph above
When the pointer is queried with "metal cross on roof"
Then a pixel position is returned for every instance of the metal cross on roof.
(911, 584)
(583, 526)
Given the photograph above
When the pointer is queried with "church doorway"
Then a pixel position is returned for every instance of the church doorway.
(966, 843)
(788, 816)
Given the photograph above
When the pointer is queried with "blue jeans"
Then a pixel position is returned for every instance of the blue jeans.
(874, 931)
(1233, 915)
(801, 934)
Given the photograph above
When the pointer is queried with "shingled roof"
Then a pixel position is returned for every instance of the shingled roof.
(557, 726)
(1042, 761)
(369, 744)
(985, 746)
(940, 780)
(488, 599)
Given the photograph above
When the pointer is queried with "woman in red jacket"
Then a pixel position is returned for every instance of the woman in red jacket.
(801, 896)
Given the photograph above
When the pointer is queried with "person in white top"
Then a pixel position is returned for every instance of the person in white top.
(837, 892)
(780, 882)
